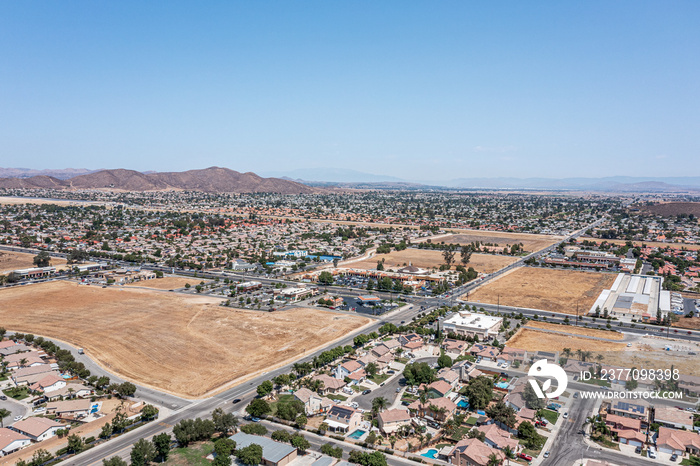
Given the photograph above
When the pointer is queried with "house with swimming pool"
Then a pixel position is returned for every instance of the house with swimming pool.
(343, 419)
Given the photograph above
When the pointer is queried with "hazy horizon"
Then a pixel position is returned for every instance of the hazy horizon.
(415, 91)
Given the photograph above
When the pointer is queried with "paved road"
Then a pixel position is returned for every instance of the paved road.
(388, 391)
(15, 408)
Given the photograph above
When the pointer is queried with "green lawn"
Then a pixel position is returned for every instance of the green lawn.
(471, 421)
(379, 378)
(17, 393)
(280, 400)
(460, 432)
(359, 388)
(195, 455)
(600, 383)
(336, 396)
(549, 415)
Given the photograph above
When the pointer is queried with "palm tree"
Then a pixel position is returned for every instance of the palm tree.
(378, 404)
(567, 352)
(392, 441)
(493, 460)
(579, 352)
(70, 392)
(23, 362)
(3, 414)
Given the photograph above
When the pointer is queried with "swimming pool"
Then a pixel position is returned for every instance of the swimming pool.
(503, 385)
(463, 404)
(357, 434)
(432, 453)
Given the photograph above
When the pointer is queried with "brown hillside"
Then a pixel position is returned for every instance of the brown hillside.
(673, 208)
(212, 180)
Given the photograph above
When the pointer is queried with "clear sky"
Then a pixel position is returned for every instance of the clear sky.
(420, 90)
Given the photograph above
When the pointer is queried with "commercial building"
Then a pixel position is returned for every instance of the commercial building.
(473, 324)
(274, 453)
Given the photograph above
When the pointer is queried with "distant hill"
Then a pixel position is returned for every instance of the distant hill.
(61, 174)
(211, 180)
(670, 209)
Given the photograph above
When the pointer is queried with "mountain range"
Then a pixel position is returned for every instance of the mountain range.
(211, 180)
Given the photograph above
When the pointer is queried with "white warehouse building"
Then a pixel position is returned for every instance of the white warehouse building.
(472, 323)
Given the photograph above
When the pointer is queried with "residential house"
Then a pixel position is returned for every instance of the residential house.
(392, 419)
(473, 452)
(678, 441)
(448, 375)
(574, 367)
(20, 360)
(411, 342)
(467, 370)
(343, 418)
(37, 428)
(49, 383)
(380, 350)
(12, 441)
(69, 408)
(627, 430)
(440, 409)
(454, 348)
(30, 375)
(487, 352)
(515, 398)
(274, 453)
(345, 369)
(71, 390)
(313, 402)
(330, 384)
(513, 354)
(498, 438)
(672, 417)
(439, 389)
(637, 410)
(690, 384)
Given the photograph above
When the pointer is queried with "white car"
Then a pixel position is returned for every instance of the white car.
(18, 418)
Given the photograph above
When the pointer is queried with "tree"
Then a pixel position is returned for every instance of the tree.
(301, 420)
(161, 443)
(330, 450)
(325, 278)
(250, 455)
(479, 392)
(224, 448)
(449, 256)
(77, 256)
(502, 413)
(371, 369)
(465, 255)
(40, 457)
(142, 453)
(224, 422)
(43, 259)
(375, 458)
(379, 404)
(75, 444)
(300, 443)
(126, 389)
(418, 373)
(265, 388)
(531, 399)
(258, 407)
(444, 361)
(631, 383)
(493, 460)
(281, 435)
(149, 412)
(114, 461)
(3, 414)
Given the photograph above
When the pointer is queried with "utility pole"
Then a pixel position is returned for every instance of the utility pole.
(577, 313)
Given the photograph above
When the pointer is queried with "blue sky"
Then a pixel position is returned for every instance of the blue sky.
(418, 90)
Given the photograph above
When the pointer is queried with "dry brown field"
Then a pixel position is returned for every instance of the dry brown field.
(7, 200)
(530, 242)
(10, 260)
(645, 357)
(536, 340)
(167, 283)
(575, 330)
(426, 259)
(546, 289)
(651, 244)
(186, 345)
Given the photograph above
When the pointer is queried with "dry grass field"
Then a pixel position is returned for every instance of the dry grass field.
(535, 340)
(588, 332)
(644, 356)
(651, 244)
(546, 289)
(10, 260)
(530, 242)
(426, 259)
(186, 345)
(167, 283)
(7, 200)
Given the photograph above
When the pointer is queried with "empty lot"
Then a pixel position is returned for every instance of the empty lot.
(168, 283)
(546, 289)
(426, 259)
(536, 340)
(530, 242)
(185, 345)
(10, 260)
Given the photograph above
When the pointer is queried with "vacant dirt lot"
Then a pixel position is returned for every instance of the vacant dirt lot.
(426, 259)
(588, 332)
(10, 261)
(530, 242)
(535, 340)
(546, 289)
(185, 345)
(167, 283)
(651, 244)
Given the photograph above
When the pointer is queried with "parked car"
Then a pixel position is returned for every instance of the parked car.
(576, 395)
(3, 397)
(546, 454)
(651, 453)
(638, 450)
(566, 415)
(18, 418)
(366, 392)
(525, 457)
(255, 419)
(674, 457)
